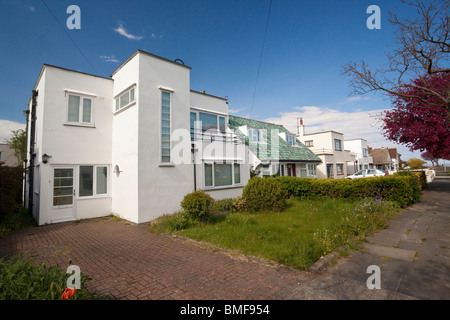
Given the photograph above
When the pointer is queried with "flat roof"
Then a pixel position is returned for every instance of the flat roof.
(207, 94)
(151, 55)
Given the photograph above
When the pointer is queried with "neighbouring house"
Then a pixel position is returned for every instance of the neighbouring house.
(329, 147)
(273, 150)
(387, 159)
(360, 148)
(395, 158)
(132, 144)
(7, 156)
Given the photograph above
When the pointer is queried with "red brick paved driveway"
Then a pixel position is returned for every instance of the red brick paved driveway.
(127, 261)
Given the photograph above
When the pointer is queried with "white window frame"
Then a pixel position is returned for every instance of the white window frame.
(121, 94)
(212, 164)
(80, 121)
(311, 170)
(338, 165)
(162, 163)
(94, 181)
(290, 139)
(256, 133)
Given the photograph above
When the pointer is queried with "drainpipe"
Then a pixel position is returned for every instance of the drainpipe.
(195, 169)
(24, 197)
(32, 153)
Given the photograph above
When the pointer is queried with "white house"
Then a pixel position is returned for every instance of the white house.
(329, 147)
(132, 145)
(361, 149)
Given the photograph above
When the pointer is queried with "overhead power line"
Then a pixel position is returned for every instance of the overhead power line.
(68, 35)
(260, 58)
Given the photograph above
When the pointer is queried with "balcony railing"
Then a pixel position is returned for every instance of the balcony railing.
(215, 136)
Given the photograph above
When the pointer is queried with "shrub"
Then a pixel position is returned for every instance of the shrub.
(264, 194)
(239, 205)
(222, 205)
(197, 204)
(11, 181)
(420, 176)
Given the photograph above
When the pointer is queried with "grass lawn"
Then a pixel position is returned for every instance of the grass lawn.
(297, 236)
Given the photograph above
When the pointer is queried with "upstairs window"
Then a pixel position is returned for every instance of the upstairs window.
(364, 152)
(337, 145)
(290, 139)
(212, 122)
(256, 135)
(125, 99)
(166, 107)
(309, 143)
(79, 110)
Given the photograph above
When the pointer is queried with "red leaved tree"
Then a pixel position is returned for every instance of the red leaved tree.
(420, 116)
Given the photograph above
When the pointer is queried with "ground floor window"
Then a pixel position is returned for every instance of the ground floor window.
(93, 180)
(222, 174)
(339, 168)
(312, 170)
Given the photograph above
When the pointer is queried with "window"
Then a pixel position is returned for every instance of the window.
(193, 119)
(339, 168)
(93, 180)
(222, 174)
(309, 143)
(337, 145)
(212, 122)
(364, 152)
(312, 170)
(79, 110)
(165, 126)
(125, 99)
(256, 135)
(290, 139)
(302, 169)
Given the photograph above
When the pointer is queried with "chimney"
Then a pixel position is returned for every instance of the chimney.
(301, 128)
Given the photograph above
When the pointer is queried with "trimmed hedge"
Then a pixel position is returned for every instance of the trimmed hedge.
(264, 194)
(400, 189)
(420, 176)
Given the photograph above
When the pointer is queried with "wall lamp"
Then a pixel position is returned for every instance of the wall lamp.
(45, 158)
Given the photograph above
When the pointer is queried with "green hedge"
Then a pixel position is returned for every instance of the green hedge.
(400, 189)
(197, 204)
(420, 176)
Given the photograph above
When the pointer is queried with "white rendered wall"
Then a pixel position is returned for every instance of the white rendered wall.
(71, 145)
(125, 123)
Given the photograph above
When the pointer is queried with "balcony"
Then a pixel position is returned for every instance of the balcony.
(215, 136)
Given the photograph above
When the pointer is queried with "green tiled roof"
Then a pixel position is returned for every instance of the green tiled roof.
(263, 151)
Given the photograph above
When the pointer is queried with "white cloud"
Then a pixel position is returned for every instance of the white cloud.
(357, 124)
(121, 30)
(32, 9)
(234, 111)
(109, 59)
(6, 128)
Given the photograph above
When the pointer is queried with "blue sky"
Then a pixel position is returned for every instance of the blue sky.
(307, 43)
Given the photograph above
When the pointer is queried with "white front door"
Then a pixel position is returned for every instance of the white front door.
(63, 195)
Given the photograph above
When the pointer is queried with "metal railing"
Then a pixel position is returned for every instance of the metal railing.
(215, 136)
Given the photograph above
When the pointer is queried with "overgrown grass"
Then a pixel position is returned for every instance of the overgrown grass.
(22, 279)
(298, 236)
